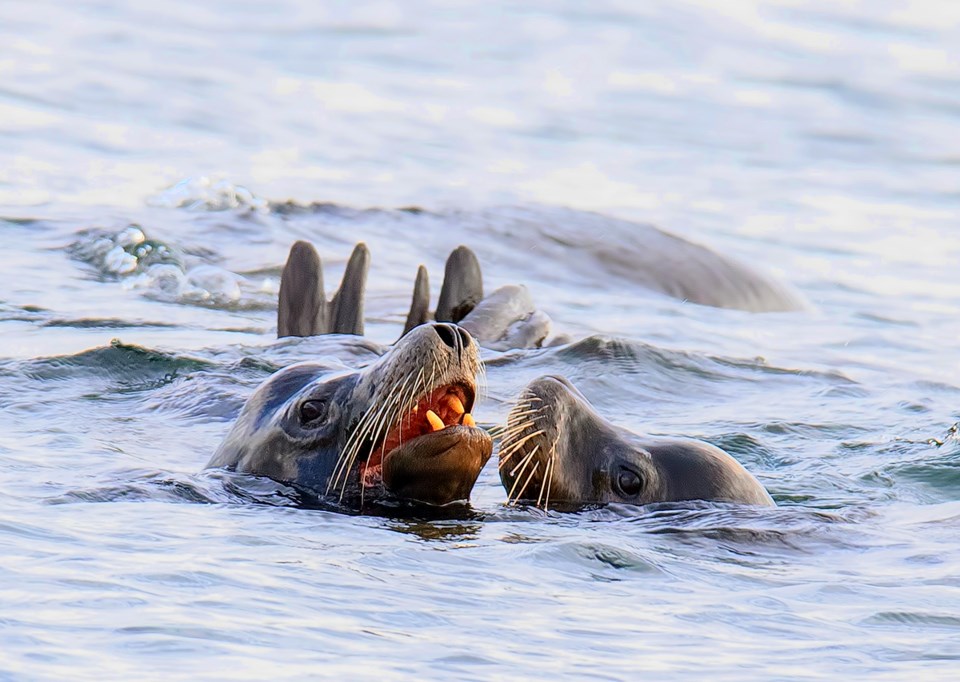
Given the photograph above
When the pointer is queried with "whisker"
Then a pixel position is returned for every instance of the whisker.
(525, 458)
(506, 455)
(520, 442)
(394, 399)
(543, 486)
(524, 463)
(481, 375)
(367, 423)
(399, 405)
(526, 413)
(533, 472)
(551, 465)
(510, 431)
(395, 416)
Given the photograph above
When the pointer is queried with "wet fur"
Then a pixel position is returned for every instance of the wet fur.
(556, 448)
(268, 439)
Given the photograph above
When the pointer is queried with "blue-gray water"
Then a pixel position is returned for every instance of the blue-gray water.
(820, 141)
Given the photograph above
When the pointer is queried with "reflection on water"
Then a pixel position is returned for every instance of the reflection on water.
(156, 162)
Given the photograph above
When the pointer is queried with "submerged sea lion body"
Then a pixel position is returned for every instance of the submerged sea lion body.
(558, 450)
(400, 427)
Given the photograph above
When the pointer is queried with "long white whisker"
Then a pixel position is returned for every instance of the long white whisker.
(366, 424)
(521, 463)
(530, 476)
(552, 462)
(543, 486)
(524, 462)
(514, 415)
(547, 479)
(392, 413)
(515, 427)
(512, 430)
(551, 465)
(520, 442)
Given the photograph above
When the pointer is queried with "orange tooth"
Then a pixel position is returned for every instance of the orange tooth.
(434, 420)
(454, 403)
(468, 420)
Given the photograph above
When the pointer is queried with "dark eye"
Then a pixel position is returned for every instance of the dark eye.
(311, 410)
(629, 482)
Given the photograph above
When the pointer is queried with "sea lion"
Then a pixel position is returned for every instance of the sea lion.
(571, 248)
(303, 309)
(401, 427)
(556, 449)
(508, 319)
(505, 319)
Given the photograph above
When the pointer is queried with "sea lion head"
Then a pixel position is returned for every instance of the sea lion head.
(401, 426)
(556, 450)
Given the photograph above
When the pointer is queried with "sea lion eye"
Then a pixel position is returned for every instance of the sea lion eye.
(311, 410)
(629, 482)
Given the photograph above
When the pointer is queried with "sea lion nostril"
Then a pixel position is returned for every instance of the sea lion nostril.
(464, 336)
(447, 334)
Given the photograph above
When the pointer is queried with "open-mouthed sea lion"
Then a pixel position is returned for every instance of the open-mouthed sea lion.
(400, 427)
(556, 450)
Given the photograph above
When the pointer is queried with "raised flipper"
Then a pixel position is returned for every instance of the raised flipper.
(527, 333)
(508, 319)
(347, 304)
(462, 290)
(420, 305)
(505, 319)
(462, 286)
(303, 309)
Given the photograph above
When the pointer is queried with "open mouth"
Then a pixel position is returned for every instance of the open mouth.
(443, 408)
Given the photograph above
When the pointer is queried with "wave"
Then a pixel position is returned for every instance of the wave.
(120, 365)
(163, 272)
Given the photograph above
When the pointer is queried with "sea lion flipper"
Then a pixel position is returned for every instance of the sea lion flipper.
(506, 319)
(420, 305)
(347, 304)
(302, 308)
(462, 286)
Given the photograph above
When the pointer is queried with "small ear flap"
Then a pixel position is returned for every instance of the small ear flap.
(462, 286)
(347, 304)
(302, 309)
(420, 305)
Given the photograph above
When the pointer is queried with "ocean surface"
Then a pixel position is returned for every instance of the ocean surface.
(818, 141)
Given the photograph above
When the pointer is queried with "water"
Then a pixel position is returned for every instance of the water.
(817, 141)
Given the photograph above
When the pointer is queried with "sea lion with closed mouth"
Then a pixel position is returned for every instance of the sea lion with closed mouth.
(556, 450)
(400, 428)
